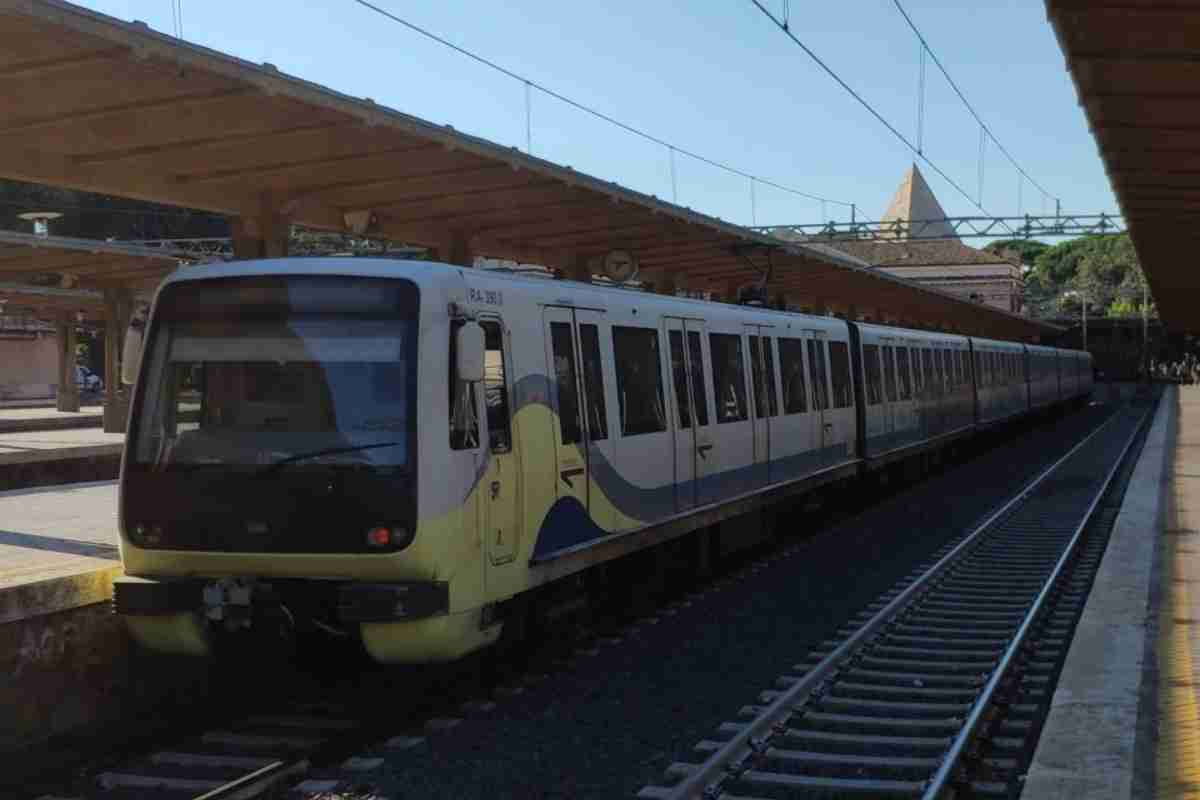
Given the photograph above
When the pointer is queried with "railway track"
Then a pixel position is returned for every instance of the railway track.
(268, 750)
(961, 652)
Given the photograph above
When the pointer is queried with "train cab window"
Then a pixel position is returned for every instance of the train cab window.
(816, 371)
(791, 368)
(871, 374)
(639, 380)
(562, 344)
(729, 376)
(697, 363)
(903, 373)
(762, 369)
(495, 389)
(593, 383)
(464, 421)
(839, 373)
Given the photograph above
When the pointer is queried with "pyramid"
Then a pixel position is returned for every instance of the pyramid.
(914, 201)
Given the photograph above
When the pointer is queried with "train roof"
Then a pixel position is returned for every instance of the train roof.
(433, 273)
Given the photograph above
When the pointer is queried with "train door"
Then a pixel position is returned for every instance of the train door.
(887, 351)
(819, 381)
(690, 421)
(581, 430)
(501, 484)
(765, 403)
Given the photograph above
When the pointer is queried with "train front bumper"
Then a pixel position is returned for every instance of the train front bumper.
(182, 615)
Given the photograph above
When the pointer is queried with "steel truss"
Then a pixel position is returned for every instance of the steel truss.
(1027, 226)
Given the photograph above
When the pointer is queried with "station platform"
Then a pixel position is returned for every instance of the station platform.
(46, 418)
(1125, 717)
(55, 445)
(46, 457)
(58, 548)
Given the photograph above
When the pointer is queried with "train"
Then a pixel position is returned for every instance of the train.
(402, 452)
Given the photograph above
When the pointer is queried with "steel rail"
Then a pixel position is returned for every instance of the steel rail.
(939, 779)
(750, 740)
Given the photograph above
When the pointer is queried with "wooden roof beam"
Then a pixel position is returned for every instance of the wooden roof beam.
(302, 165)
(42, 68)
(391, 190)
(495, 208)
(186, 146)
(91, 115)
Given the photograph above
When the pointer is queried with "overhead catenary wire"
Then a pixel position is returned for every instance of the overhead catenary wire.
(588, 109)
(946, 74)
(870, 108)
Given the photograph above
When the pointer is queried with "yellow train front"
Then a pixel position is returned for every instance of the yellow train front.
(270, 483)
(410, 454)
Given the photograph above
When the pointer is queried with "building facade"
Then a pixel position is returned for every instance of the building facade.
(944, 263)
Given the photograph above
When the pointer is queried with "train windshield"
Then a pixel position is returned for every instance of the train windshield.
(268, 372)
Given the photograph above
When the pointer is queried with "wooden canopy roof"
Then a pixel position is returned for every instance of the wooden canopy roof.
(51, 304)
(83, 263)
(93, 103)
(1136, 67)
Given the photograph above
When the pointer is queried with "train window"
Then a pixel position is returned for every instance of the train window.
(980, 375)
(871, 374)
(929, 376)
(791, 367)
(679, 379)
(762, 369)
(769, 364)
(960, 368)
(593, 383)
(697, 364)
(839, 372)
(495, 389)
(902, 371)
(464, 419)
(816, 371)
(889, 372)
(562, 344)
(639, 380)
(947, 369)
(729, 376)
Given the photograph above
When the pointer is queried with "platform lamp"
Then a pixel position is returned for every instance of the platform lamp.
(40, 220)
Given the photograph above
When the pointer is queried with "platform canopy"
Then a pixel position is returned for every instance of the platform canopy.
(93, 103)
(1136, 67)
(67, 263)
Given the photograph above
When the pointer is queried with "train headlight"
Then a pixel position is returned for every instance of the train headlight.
(144, 535)
(395, 537)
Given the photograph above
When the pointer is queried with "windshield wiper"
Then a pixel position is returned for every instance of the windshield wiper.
(329, 451)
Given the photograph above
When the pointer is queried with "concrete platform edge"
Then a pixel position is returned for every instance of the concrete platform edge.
(60, 593)
(1097, 741)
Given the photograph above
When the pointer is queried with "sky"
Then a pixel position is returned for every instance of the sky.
(716, 78)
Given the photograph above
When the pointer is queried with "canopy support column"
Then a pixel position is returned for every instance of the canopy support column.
(261, 234)
(68, 392)
(456, 248)
(118, 309)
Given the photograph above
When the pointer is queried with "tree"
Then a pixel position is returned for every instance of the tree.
(1026, 249)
